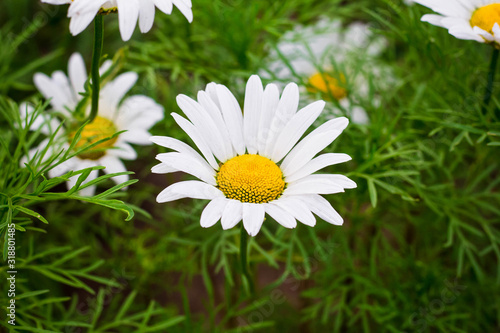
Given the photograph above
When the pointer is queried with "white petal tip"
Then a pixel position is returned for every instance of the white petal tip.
(156, 139)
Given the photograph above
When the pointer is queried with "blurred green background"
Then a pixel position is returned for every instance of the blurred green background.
(419, 250)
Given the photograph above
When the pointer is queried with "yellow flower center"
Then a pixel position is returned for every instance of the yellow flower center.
(107, 11)
(101, 128)
(251, 178)
(328, 84)
(486, 17)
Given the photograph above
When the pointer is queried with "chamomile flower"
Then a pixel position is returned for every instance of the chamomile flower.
(477, 20)
(82, 12)
(333, 61)
(135, 115)
(254, 163)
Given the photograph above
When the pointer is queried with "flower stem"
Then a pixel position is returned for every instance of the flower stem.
(491, 79)
(96, 59)
(243, 257)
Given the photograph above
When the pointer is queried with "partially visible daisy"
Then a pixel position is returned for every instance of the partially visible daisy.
(333, 61)
(466, 19)
(83, 12)
(254, 163)
(135, 115)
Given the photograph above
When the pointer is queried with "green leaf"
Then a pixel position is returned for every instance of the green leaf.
(31, 213)
(373, 192)
(113, 204)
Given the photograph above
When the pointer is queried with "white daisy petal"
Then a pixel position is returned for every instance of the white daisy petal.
(106, 65)
(178, 146)
(270, 102)
(280, 215)
(433, 19)
(233, 213)
(146, 15)
(136, 136)
(197, 138)
(122, 150)
(213, 212)
(206, 126)
(51, 90)
(321, 184)
(211, 91)
(253, 217)
(287, 107)
(188, 189)
(77, 73)
(128, 14)
(251, 117)
(78, 7)
(189, 165)
(81, 21)
(311, 186)
(114, 165)
(138, 112)
(113, 92)
(165, 6)
(213, 109)
(297, 209)
(317, 164)
(233, 117)
(312, 144)
(57, 2)
(185, 8)
(478, 31)
(162, 169)
(321, 207)
(295, 128)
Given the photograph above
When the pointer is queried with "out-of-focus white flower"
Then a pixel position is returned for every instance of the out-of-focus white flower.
(135, 115)
(83, 12)
(332, 60)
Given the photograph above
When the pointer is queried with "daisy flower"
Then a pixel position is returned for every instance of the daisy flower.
(466, 19)
(83, 12)
(332, 61)
(135, 115)
(254, 163)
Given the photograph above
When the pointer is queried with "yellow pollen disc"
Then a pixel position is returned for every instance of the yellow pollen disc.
(486, 17)
(251, 178)
(106, 11)
(101, 128)
(328, 84)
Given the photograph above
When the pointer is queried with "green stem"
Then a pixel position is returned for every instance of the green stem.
(96, 60)
(491, 79)
(243, 257)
